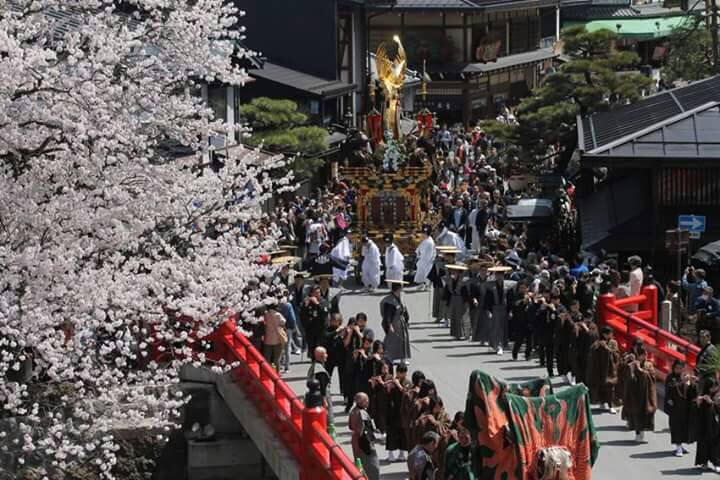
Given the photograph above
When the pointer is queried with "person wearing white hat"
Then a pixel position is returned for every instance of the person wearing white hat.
(370, 269)
(342, 252)
(425, 254)
(394, 260)
(449, 238)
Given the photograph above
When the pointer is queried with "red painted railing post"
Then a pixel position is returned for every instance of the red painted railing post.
(650, 303)
(603, 312)
(314, 419)
(336, 467)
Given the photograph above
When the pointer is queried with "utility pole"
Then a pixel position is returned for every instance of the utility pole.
(713, 11)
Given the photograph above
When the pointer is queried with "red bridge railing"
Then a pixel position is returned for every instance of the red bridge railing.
(663, 347)
(302, 430)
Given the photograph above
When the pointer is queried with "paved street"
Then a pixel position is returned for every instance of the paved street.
(449, 363)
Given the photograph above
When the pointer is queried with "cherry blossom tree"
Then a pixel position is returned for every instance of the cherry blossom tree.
(108, 244)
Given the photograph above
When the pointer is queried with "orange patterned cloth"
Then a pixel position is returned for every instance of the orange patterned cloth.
(562, 420)
(486, 415)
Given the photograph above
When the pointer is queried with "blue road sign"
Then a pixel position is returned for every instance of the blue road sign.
(692, 223)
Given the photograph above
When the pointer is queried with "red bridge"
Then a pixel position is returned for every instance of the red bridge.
(663, 347)
(301, 430)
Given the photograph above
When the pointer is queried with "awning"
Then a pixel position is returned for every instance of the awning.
(708, 255)
(635, 28)
(302, 81)
(512, 61)
(533, 209)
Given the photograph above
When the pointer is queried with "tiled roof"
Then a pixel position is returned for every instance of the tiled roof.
(454, 4)
(594, 12)
(301, 81)
(512, 61)
(432, 4)
(601, 129)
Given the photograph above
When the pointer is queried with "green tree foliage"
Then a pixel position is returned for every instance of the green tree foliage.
(269, 113)
(596, 77)
(690, 52)
(279, 127)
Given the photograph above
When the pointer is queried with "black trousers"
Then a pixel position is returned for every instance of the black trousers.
(563, 360)
(520, 338)
(546, 351)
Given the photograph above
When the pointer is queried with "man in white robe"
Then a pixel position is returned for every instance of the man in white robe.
(394, 260)
(371, 264)
(343, 253)
(448, 238)
(425, 255)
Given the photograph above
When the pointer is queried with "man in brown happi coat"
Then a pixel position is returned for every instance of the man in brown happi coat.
(407, 406)
(602, 375)
(640, 400)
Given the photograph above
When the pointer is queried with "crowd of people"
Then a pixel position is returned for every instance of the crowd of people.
(491, 283)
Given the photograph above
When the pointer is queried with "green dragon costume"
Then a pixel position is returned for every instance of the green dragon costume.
(515, 425)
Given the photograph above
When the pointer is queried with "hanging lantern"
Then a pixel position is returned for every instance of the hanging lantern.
(425, 117)
(374, 126)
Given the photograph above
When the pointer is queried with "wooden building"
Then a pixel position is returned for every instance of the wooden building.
(459, 40)
(645, 164)
(480, 54)
(643, 28)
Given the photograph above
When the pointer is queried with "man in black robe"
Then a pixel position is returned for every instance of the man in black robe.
(523, 310)
(395, 322)
(331, 302)
(708, 426)
(297, 294)
(680, 394)
(586, 333)
(314, 318)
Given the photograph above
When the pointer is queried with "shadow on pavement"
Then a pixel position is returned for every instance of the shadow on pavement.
(434, 340)
(684, 472)
(653, 455)
(462, 355)
(612, 428)
(458, 344)
(515, 367)
(620, 443)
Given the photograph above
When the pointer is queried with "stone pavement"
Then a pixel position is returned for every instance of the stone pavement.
(449, 363)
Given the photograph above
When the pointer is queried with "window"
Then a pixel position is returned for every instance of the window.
(519, 35)
(688, 186)
(217, 101)
(498, 78)
(437, 46)
(497, 34)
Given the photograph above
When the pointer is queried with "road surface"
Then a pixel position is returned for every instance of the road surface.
(449, 363)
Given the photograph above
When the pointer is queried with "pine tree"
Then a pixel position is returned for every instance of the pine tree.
(596, 77)
(280, 128)
(689, 54)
